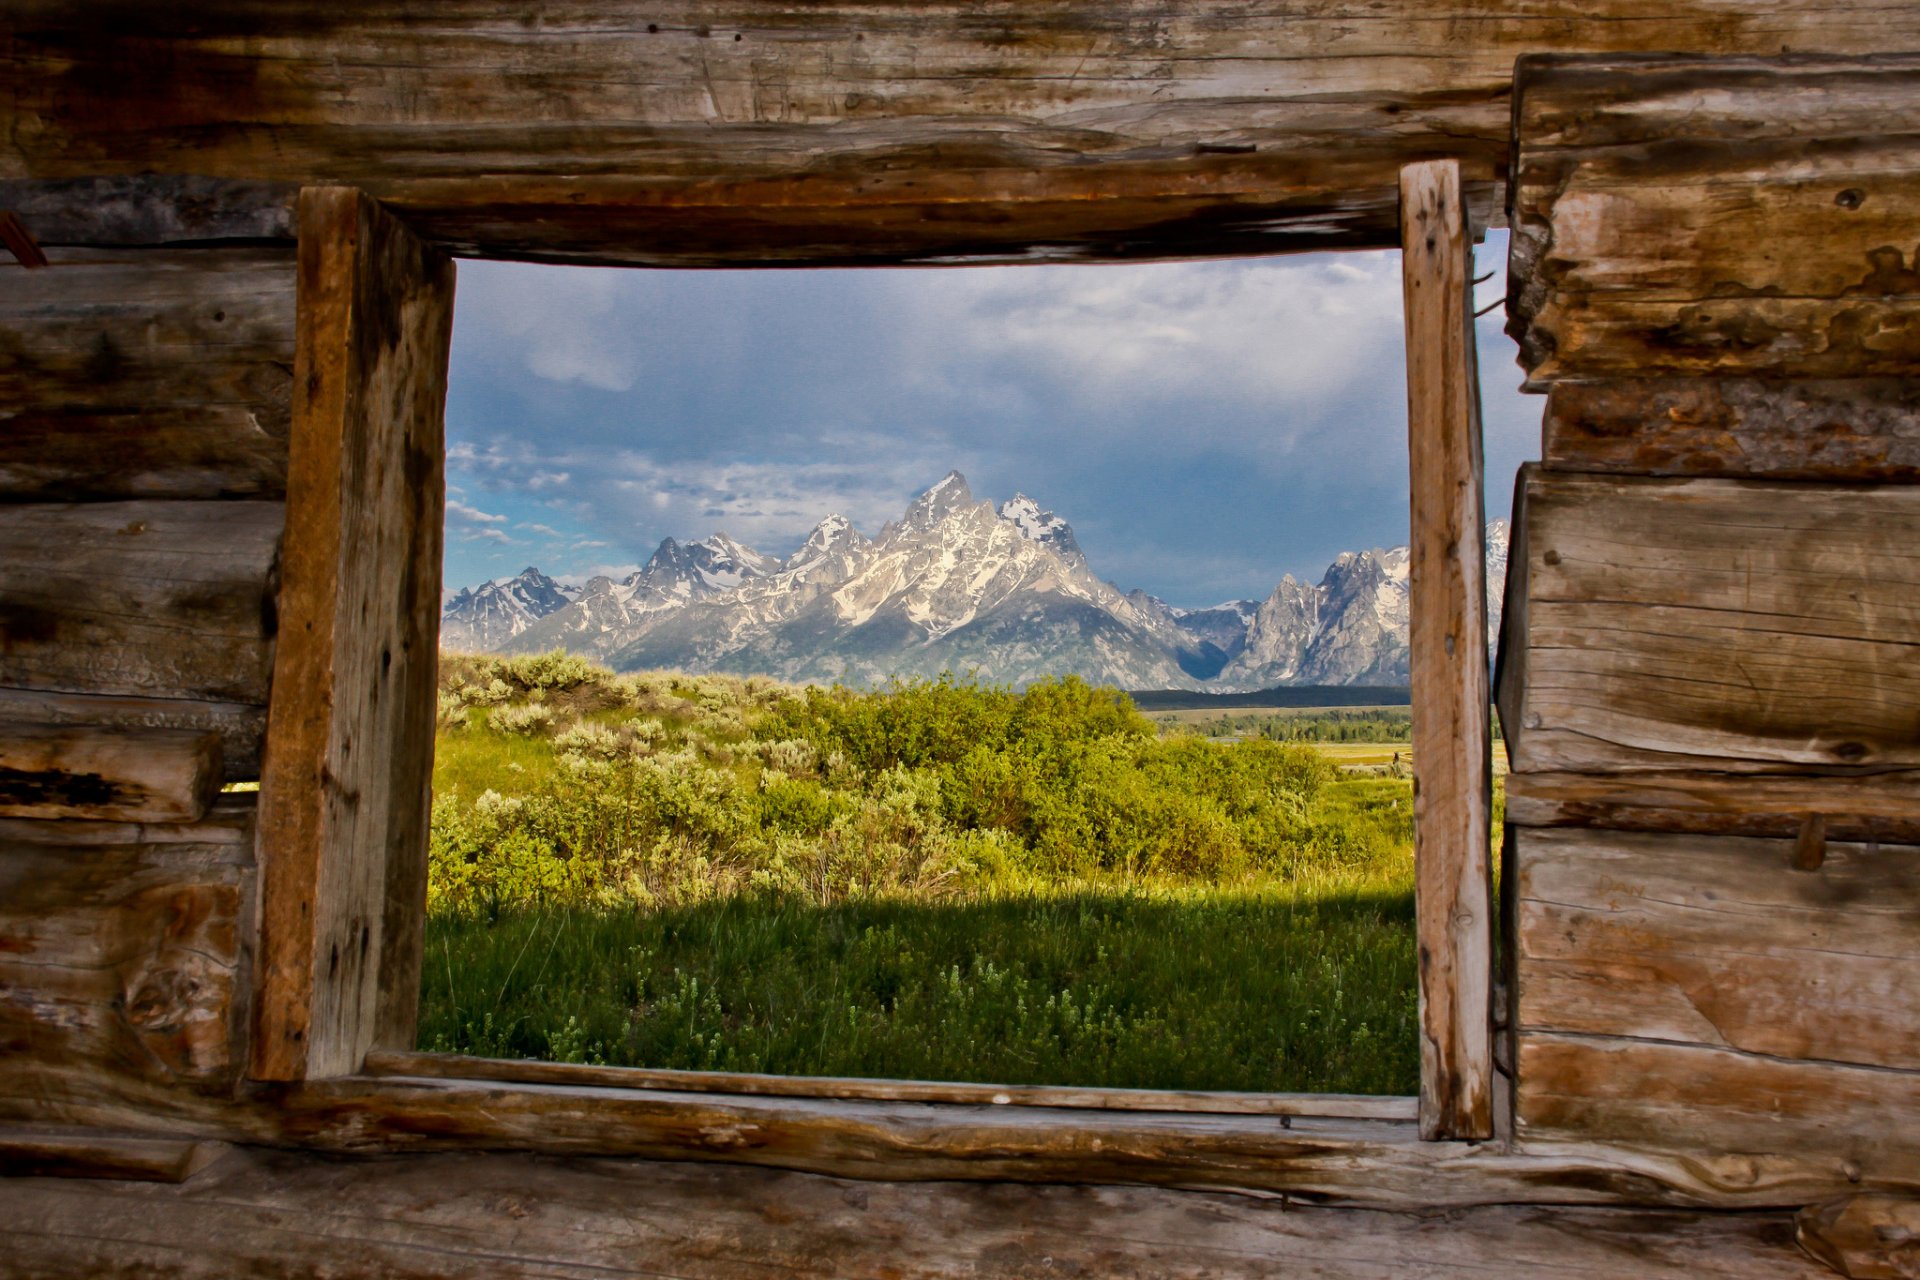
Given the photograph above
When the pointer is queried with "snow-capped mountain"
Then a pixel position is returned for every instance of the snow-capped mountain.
(958, 585)
(489, 615)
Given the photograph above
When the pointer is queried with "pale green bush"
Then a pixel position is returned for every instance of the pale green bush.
(530, 718)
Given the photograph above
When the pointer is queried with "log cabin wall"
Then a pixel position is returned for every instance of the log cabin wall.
(1711, 666)
(1707, 677)
(144, 416)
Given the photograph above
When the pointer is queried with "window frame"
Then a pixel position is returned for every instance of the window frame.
(343, 901)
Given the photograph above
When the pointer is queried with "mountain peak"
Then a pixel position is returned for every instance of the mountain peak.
(936, 504)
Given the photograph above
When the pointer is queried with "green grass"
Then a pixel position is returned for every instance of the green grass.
(934, 882)
(1266, 987)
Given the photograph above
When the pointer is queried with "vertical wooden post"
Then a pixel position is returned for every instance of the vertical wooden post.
(349, 750)
(1451, 765)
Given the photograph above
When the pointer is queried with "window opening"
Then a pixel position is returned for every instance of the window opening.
(978, 871)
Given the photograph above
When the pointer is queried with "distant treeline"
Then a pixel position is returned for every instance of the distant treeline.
(1297, 695)
(1330, 726)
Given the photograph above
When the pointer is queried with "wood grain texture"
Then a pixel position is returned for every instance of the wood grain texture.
(344, 792)
(147, 599)
(1682, 215)
(1864, 1237)
(142, 331)
(1448, 657)
(712, 131)
(145, 210)
(1854, 429)
(28, 1152)
(1879, 807)
(122, 964)
(156, 775)
(215, 451)
(240, 727)
(1728, 626)
(386, 1062)
(1685, 1098)
(1722, 942)
(284, 1214)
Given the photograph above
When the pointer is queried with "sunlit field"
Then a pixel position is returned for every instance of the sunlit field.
(934, 881)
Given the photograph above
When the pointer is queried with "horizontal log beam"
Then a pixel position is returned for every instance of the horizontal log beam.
(260, 1212)
(1688, 216)
(1657, 624)
(1689, 1098)
(156, 775)
(735, 131)
(1864, 429)
(149, 599)
(117, 331)
(383, 1062)
(240, 727)
(1881, 807)
(80, 1153)
(1722, 942)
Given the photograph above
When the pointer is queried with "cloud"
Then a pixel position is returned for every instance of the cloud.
(495, 535)
(461, 511)
(547, 530)
(557, 323)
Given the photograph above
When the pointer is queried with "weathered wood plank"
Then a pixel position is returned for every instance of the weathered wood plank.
(1722, 942)
(1881, 807)
(256, 1212)
(386, 1062)
(1747, 216)
(1846, 429)
(1864, 1237)
(152, 599)
(229, 822)
(156, 775)
(1448, 655)
(240, 727)
(1731, 626)
(143, 210)
(740, 130)
(105, 330)
(344, 796)
(1692, 1098)
(212, 451)
(122, 968)
(81, 1153)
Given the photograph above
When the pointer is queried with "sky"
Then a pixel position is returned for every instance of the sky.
(1205, 426)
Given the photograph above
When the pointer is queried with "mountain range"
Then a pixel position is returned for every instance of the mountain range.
(956, 584)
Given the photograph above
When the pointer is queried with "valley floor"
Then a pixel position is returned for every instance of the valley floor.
(933, 882)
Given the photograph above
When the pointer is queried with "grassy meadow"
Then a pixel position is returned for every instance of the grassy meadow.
(933, 880)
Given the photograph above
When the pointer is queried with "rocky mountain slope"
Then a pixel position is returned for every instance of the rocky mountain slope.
(959, 585)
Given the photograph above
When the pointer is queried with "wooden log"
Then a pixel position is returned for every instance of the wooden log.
(387, 1062)
(118, 331)
(145, 210)
(1691, 1098)
(162, 775)
(1721, 942)
(1448, 655)
(209, 451)
(1715, 216)
(1726, 626)
(1864, 1237)
(122, 968)
(79, 1153)
(230, 821)
(739, 131)
(258, 1212)
(1879, 807)
(152, 599)
(1846, 429)
(344, 797)
(239, 727)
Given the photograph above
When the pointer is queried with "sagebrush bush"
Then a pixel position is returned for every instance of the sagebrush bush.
(521, 717)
